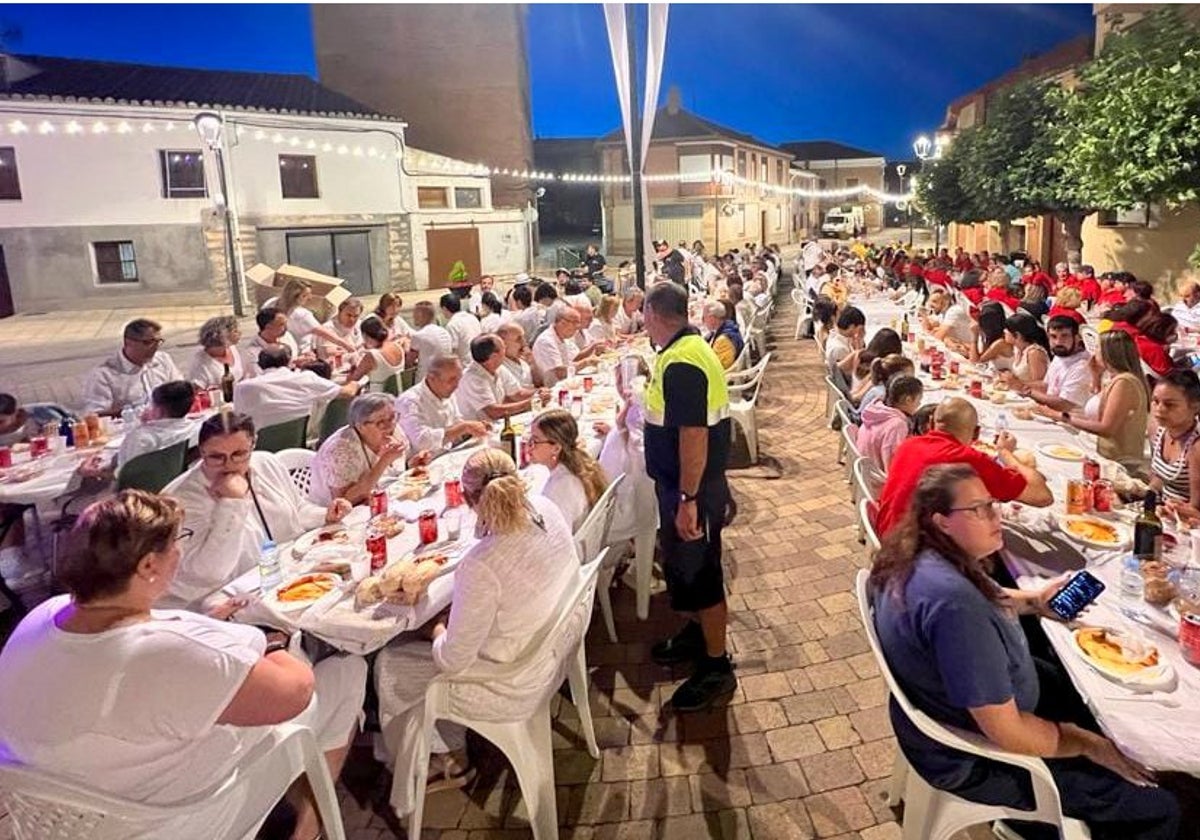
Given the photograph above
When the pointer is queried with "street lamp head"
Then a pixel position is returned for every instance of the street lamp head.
(922, 146)
(209, 126)
(901, 169)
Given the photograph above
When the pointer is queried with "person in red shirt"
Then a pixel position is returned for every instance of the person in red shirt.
(1063, 277)
(955, 428)
(1067, 303)
(962, 260)
(1156, 333)
(1032, 275)
(1114, 290)
(935, 274)
(997, 289)
(1088, 286)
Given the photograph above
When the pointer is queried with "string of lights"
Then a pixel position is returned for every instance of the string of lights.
(428, 164)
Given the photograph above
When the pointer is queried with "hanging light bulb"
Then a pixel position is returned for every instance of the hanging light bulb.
(74, 127)
(18, 127)
(147, 128)
(99, 128)
(124, 128)
(46, 127)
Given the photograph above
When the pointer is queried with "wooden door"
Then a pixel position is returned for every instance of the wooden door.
(6, 301)
(446, 246)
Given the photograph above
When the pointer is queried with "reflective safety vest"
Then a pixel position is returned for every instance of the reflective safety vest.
(693, 350)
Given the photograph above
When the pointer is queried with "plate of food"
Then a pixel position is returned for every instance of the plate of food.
(986, 448)
(1061, 451)
(402, 583)
(1096, 533)
(1123, 658)
(390, 524)
(411, 485)
(302, 592)
(329, 535)
(23, 473)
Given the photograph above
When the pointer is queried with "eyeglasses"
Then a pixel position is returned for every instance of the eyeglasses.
(538, 441)
(220, 459)
(184, 533)
(148, 342)
(982, 511)
(386, 422)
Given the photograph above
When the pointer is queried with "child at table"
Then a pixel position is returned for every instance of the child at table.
(886, 424)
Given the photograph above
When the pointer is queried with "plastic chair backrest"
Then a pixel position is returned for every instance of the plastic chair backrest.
(290, 434)
(391, 385)
(298, 463)
(1045, 791)
(592, 534)
(1091, 338)
(868, 510)
(868, 478)
(408, 378)
(153, 471)
(336, 412)
(747, 392)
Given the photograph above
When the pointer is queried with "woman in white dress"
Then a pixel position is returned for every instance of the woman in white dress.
(576, 480)
(491, 312)
(345, 325)
(158, 706)
(219, 338)
(383, 356)
(302, 324)
(507, 587)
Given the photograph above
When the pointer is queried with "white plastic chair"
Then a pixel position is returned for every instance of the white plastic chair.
(847, 449)
(1091, 338)
(743, 359)
(298, 463)
(591, 536)
(868, 511)
(868, 479)
(932, 814)
(833, 395)
(739, 377)
(756, 333)
(525, 742)
(742, 400)
(804, 311)
(46, 807)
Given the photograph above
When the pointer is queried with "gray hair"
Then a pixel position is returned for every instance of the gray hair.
(442, 364)
(633, 293)
(215, 331)
(714, 309)
(364, 405)
(556, 311)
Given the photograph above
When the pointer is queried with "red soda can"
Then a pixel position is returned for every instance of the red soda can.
(427, 527)
(377, 548)
(1091, 469)
(204, 399)
(912, 337)
(452, 490)
(379, 502)
(1103, 496)
(587, 384)
(38, 446)
(954, 367)
(1189, 637)
(564, 398)
(5, 456)
(976, 389)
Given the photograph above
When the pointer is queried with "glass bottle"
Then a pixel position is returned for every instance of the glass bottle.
(1147, 530)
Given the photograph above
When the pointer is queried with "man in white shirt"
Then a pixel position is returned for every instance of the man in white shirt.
(427, 413)
(524, 313)
(555, 348)
(280, 394)
(128, 377)
(429, 340)
(462, 326)
(1068, 382)
(488, 391)
(164, 423)
(589, 339)
(1187, 311)
(844, 340)
(516, 354)
(628, 319)
(950, 320)
(816, 279)
(487, 283)
(272, 332)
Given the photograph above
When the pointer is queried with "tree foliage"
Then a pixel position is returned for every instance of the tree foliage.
(1131, 129)
(940, 191)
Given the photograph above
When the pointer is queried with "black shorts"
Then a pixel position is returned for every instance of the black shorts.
(693, 569)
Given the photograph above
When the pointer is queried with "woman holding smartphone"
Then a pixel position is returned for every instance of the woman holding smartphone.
(951, 638)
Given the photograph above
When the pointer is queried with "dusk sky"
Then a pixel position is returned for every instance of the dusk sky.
(874, 76)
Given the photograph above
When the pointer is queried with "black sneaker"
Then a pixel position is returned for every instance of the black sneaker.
(685, 646)
(704, 689)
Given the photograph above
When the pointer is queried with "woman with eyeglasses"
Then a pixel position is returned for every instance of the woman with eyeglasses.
(235, 499)
(352, 460)
(507, 587)
(952, 640)
(158, 706)
(576, 479)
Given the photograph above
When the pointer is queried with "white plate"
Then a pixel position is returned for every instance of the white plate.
(931, 385)
(1061, 451)
(271, 598)
(307, 542)
(1159, 677)
(1124, 534)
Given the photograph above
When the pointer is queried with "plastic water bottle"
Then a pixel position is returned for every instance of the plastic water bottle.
(1132, 583)
(129, 418)
(269, 572)
(570, 370)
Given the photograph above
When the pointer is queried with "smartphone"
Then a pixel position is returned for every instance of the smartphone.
(1079, 591)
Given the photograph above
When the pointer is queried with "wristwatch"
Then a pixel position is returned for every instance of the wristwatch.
(277, 645)
(684, 498)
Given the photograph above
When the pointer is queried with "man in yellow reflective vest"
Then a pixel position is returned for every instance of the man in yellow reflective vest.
(687, 446)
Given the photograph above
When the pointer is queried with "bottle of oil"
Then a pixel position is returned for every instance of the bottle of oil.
(227, 386)
(1147, 530)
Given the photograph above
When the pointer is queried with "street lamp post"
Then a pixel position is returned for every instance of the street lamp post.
(900, 170)
(925, 149)
(210, 127)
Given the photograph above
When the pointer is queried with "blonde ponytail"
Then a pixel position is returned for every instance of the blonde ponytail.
(495, 492)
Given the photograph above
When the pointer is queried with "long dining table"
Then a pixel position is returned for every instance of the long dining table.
(1155, 722)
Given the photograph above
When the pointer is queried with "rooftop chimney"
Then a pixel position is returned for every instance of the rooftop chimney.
(673, 98)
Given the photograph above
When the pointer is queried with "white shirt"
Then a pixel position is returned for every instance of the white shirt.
(627, 324)
(1070, 378)
(300, 324)
(258, 344)
(519, 370)
(565, 489)
(430, 342)
(227, 534)
(282, 394)
(489, 322)
(837, 347)
(463, 327)
(342, 460)
(550, 352)
(131, 711)
(208, 372)
(424, 417)
(118, 382)
(598, 331)
(325, 348)
(1187, 316)
(814, 283)
(479, 389)
(154, 435)
(530, 320)
(958, 318)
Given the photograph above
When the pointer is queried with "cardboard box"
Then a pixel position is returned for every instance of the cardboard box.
(267, 283)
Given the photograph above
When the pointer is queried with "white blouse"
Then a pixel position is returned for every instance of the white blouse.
(208, 372)
(565, 489)
(342, 460)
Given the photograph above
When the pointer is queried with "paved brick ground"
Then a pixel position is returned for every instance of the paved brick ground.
(803, 750)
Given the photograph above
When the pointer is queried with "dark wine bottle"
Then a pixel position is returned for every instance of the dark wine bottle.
(1147, 530)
